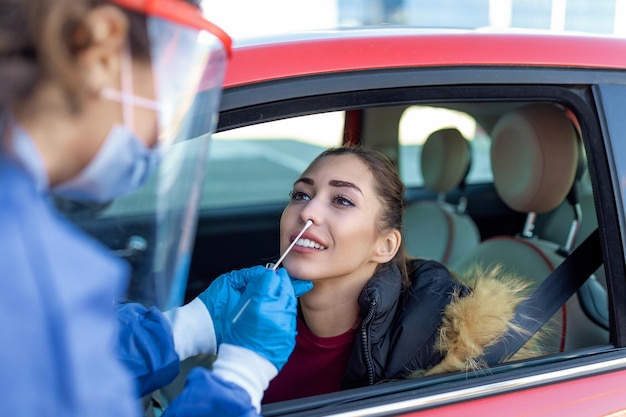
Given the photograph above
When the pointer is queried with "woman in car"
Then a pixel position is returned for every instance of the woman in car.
(373, 314)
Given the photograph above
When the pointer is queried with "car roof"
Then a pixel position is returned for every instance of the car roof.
(311, 53)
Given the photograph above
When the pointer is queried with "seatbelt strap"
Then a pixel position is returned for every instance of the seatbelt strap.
(535, 311)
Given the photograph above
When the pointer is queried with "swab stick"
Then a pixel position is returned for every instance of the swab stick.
(306, 226)
(275, 267)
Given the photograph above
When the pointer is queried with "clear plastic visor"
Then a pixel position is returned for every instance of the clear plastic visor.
(189, 66)
(154, 227)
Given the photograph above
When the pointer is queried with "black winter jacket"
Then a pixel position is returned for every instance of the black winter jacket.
(399, 328)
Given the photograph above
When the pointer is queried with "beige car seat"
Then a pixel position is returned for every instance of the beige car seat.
(570, 224)
(436, 229)
(534, 158)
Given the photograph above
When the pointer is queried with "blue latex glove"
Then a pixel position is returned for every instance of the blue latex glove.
(224, 294)
(264, 321)
(208, 395)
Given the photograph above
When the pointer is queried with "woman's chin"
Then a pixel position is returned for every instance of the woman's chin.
(297, 269)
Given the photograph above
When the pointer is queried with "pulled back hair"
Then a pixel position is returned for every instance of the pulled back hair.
(39, 40)
(390, 191)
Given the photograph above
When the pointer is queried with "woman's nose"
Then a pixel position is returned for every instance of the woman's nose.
(312, 211)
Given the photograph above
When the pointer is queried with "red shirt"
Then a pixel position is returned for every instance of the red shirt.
(316, 366)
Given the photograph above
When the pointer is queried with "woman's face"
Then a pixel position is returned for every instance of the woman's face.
(337, 194)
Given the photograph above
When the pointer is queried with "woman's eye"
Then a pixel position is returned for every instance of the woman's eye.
(343, 201)
(299, 195)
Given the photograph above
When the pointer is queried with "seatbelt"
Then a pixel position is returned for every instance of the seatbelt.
(535, 311)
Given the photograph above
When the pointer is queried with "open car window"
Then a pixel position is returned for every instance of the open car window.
(258, 164)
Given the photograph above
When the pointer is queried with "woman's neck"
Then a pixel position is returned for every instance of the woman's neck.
(331, 308)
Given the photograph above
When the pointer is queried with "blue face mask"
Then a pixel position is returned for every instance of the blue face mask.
(122, 165)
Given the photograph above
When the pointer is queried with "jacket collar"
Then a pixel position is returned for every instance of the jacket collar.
(379, 298)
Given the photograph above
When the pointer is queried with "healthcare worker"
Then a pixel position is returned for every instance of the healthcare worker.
(94, 94)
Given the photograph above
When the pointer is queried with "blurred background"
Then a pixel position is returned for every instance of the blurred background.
(248, 18)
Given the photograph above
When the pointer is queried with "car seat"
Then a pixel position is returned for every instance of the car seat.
(571, 223)
(534, 157)
(436, 229)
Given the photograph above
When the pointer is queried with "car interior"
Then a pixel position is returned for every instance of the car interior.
(534, 153)
(433, 228)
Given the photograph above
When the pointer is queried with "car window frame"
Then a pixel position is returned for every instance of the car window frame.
(243, 105)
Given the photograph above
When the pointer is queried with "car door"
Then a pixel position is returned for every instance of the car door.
(512, 390)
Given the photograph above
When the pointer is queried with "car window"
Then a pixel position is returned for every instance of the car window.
(259, 163)
(418, 122)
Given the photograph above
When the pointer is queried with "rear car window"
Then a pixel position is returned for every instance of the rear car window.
(418, 122)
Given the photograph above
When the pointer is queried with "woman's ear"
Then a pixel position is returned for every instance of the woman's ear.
(387, 246)
(107, 29)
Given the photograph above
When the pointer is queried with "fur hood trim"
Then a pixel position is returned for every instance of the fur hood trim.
(479, 319)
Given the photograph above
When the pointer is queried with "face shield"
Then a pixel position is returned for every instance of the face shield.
(154, 227)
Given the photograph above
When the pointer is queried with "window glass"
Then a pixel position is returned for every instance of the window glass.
(418, 122)
(259, 163)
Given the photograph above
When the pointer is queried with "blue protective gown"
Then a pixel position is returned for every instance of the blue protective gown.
(57, 314)
(146, 347)
(61, 345)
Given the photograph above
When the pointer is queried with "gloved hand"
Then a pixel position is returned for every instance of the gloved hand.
(224, 294)
(198, 326)
(260, 335)
(264, 320)
(206, 394)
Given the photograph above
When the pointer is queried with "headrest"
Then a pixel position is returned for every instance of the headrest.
(534, 157)
(581, 164)
(445, 160)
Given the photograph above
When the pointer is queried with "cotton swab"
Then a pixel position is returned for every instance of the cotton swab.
(306, 226)
(275, 267)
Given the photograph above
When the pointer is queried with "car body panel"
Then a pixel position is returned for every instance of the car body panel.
(349, 51)
(593, 386)
(598, 395)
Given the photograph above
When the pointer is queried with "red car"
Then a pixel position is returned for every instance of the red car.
(392, 88)
(287, 98)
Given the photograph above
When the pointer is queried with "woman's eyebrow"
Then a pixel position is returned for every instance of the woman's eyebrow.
(339, 183)
(305, 180)
(332, 183)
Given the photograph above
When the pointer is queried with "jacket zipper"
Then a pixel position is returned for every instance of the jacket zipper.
(366, 348)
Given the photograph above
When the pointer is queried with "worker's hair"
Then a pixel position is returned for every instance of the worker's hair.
(39, 40)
